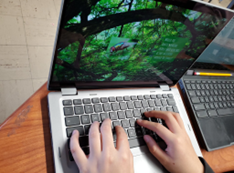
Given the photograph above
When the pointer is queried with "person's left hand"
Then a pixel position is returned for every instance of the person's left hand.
(103, 157)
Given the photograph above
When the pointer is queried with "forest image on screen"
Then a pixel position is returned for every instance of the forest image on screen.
(129, 40)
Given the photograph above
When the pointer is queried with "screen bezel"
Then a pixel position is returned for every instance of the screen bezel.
(120, 84)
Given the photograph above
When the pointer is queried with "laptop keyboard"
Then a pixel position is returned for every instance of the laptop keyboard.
(211, 98)
(122, 110)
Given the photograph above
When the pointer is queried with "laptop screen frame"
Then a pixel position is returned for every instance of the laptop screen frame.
(52, 85)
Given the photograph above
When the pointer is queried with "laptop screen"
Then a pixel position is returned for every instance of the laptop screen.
(219, 55)
(106, 43)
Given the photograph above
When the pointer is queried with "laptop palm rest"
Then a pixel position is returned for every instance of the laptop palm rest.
(144, 161)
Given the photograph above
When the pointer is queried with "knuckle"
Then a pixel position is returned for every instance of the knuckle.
(109, 158)
(153, 149)
(73, 150)
(125, 157)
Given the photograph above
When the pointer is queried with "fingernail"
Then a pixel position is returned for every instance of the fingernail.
(147, 138)
(139, 120)
(74, 132)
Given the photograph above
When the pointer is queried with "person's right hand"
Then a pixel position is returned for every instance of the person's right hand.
(179, 156)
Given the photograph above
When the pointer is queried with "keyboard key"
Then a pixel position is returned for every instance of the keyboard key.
(148, 131)
(88, 109)
(121, 114)
(147, 97)
(132, 122)
(140, 97)
(128, 113)
(136, 113)
(106, 107)
(212, 105)
(85, 119)
(130, 105)
(95, 100)
(131, 133)
(79, 110)
(171, 102)
(125, 123)
(115, 106)
(143, 111)
(149, 109)
(86, 128)
(126, 98)
(164, 95)
(98, 108)
(104, 116)
(123, 105)
(159, 96)
(116, 123)
(202, 114)
(71, 121)
(158, 102)
(164, 102)
(104, 99)
(227, 111)
(195, 100)
(67, 102)
(86, 101)
(170, 95)
(188, 86)
(79, 128)
(95, 117)
(119, 98)
(138, 131)
(137, 104)
(153, 96)
(113, 116)
(137, 142)
(212, 113)
(144, 103)
(111, 99)
(77, 102)
(192, 93)
(199, 106)
(68, 110)
(133, 97)
(169, 109)
(151, 103)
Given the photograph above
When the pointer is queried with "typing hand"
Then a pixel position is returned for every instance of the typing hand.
(179, 156)
(103, 157)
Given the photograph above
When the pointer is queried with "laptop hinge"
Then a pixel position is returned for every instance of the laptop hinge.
(165, 87)
(69, 91)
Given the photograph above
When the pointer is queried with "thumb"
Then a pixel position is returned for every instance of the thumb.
(156, 150)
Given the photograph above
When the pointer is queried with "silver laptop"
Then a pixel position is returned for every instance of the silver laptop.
(118, 59)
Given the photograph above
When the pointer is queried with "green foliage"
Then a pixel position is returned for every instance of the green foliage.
(97, 63)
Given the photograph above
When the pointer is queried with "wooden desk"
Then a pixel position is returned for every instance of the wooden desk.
(25, 141)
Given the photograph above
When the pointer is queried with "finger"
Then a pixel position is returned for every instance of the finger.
(161, 131)
(178, 119)
(94, 139)
(156, 150)
(107, 136)
(167, 116)
(122, 139)
(77, 153)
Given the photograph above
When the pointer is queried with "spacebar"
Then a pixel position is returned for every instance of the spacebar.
(225, 111)
(136, 142)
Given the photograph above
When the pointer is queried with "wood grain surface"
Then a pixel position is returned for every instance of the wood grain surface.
(25, 141)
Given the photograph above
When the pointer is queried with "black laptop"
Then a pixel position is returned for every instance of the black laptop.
(208, 88)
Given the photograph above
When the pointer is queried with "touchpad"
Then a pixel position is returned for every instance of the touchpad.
(147, 163)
